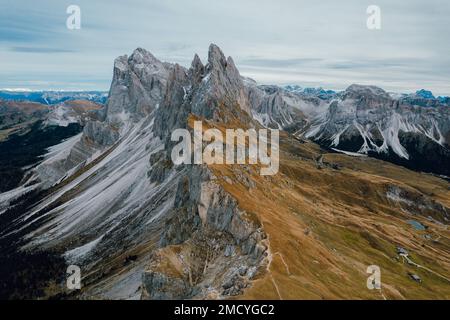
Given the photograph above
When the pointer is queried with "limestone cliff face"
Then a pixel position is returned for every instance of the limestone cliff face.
(207, 243)
(209, 248)
(138, 86)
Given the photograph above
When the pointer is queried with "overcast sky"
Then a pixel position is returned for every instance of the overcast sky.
(309, 43)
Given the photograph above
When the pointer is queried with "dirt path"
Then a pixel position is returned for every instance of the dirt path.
(405, 257)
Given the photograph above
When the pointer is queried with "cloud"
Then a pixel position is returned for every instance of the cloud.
(279, 63)
(322, 43)
(40, 50)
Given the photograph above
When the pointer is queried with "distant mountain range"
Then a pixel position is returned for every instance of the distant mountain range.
(53, 97)
(421, 97)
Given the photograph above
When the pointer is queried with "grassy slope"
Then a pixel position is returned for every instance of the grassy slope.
(326, 226)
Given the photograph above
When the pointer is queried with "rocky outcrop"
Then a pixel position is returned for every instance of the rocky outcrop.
(207, 239)
(101, 133)
(138, 85)
(221, 84)
(417, 204)
(209, 246)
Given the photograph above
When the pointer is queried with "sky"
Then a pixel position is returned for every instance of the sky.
(310, 43)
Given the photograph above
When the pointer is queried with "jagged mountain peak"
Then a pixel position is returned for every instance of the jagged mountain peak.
(366, 89)
(196, 62)
(197, 69)
(120, 64)
(222, 81)
(141, 55)
(209, 91)
(219, 63)
(143, 62)
(215, 56)
(426, 94)
(232, 69)
(138, 85)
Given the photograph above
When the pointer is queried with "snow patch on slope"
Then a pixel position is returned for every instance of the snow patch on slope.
(78, 253)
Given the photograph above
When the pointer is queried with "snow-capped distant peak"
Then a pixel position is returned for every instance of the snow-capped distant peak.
(18, 90)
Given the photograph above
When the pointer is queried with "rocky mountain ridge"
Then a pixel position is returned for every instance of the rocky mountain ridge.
(111, 201)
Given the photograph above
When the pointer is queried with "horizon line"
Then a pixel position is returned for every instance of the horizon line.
(28, 90)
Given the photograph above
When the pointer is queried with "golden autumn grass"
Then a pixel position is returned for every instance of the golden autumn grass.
(326, 226)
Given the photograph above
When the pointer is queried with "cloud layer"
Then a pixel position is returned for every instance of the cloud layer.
(289, 41)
